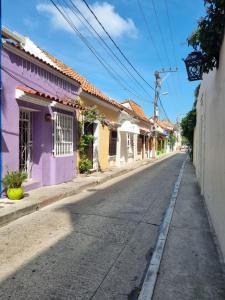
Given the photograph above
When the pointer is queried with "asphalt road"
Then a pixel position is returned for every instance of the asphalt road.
(95, 245)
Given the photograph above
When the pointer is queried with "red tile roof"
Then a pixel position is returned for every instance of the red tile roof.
(36, 57)
(165, 124)
(137, 109)
(85, 84)
(34, 92)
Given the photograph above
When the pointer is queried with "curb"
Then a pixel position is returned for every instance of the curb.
(148, 286)
(29, 207)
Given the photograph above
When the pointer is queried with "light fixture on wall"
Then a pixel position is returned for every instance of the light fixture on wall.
(194, 65)
(48, 117)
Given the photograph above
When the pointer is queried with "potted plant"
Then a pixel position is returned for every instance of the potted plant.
(13, 184)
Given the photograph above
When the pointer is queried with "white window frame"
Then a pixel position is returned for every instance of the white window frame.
(130, 143)
(63, 135)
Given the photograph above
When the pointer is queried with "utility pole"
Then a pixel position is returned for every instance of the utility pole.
(155, 102)
(156, 110)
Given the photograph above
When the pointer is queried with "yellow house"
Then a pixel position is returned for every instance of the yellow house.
(90, 96)
(110, 146)
(104, 145)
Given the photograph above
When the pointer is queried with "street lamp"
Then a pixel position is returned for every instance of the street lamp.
(194, 64)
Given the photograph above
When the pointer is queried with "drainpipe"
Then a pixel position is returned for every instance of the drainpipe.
(0, 105)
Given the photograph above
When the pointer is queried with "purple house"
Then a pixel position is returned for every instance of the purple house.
(38, 115)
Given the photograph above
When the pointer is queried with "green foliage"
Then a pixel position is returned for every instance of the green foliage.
(208, 37)
(14, 179)
(184, 140)
(85, 165)
(172, 139)
(85, 140)
(91, 114)
(188, 124)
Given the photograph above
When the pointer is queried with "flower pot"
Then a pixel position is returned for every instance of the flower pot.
(15, 193)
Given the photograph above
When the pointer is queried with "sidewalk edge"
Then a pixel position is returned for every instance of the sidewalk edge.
(149, 283)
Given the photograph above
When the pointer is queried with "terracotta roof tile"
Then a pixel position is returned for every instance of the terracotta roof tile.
(31, 91)
(36, 57)
(137, 109)
(85, 84)
(165, 124)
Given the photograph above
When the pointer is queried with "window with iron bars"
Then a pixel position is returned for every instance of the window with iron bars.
(63, 134)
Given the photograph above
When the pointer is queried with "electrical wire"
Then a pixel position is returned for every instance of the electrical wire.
(172, 37)
(149, 31)
(164, 44)
(114, 43)
(163, 109)
(84, 40)
(104, 44)
(160, 31)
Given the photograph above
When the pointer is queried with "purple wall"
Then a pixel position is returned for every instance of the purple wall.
(46, 168)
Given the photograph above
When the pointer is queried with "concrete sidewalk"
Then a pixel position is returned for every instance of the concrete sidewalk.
(191, 268)
(41, 197)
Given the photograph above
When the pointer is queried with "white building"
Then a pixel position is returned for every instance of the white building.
(209, 145)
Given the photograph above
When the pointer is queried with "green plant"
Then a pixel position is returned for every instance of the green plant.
(14, 179)
(172, 139)
(85, 140)
(208, 37)
(188, 125)
(85, 165)
(89, 116)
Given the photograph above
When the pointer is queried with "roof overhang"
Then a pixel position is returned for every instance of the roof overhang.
(99, 101)
(22, 53)
(40, 101)
(127, 126)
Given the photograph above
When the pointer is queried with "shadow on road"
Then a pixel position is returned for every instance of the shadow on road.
(91, 246)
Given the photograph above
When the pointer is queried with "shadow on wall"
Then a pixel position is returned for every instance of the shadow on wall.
(82, 240)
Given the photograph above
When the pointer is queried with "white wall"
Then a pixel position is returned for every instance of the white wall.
(209, 145)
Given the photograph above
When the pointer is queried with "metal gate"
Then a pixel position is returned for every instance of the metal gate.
(25, 141)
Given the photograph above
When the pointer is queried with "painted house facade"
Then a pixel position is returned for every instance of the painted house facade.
(38, 117)
(40, 114)
(126, 138)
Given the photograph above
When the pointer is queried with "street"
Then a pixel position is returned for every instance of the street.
(95, 245)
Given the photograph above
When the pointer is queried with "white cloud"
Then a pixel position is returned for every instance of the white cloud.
(30, 23)
(116, 25)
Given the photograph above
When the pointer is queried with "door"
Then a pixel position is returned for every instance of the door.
(25, 141)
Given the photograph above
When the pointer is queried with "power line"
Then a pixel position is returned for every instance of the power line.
(106, 46)
(170, 30)
(172, 35)
(163, 41)
(149, 31)
(160, 31)
(84, 40)
(163, 109)
(127, 60)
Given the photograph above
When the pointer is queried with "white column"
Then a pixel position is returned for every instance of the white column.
(135, 146)
(96, 145)
(118, 148)
(144, 154)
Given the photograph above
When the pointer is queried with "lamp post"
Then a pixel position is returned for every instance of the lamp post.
(194, 65)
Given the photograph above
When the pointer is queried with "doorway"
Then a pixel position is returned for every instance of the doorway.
(89, 129)
(25, 142)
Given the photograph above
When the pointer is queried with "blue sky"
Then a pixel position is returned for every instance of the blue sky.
(148, 48)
